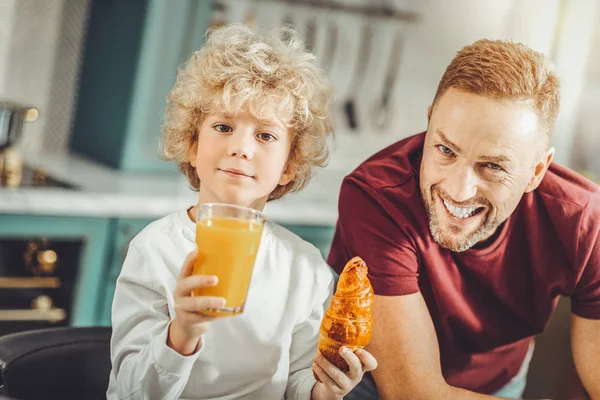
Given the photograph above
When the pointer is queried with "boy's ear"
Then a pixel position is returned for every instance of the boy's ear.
(191, 156)
(286, 178)
(288, 175)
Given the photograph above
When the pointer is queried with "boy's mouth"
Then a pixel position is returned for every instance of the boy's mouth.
(236, 173)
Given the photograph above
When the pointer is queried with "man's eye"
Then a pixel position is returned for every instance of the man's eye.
(445, 150)
(494, 167)
(267, 137)
(223, 128)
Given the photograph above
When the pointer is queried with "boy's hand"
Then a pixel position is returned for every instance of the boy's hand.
(335, 384)
(189, 324)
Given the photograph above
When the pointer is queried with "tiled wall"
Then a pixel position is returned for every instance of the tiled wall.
(7, 8)
(40, 46)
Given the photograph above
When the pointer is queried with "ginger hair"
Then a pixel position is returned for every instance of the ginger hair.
(506, 70)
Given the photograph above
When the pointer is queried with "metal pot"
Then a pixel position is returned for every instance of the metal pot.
(12, 116)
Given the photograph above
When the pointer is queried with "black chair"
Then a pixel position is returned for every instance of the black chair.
(56, 363)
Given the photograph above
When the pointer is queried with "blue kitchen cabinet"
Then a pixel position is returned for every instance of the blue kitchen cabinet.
(94, 235)
(319, 236)
(122, 231)
(131, 55)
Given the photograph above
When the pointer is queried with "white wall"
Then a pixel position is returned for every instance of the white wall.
(573, 50)
(586, 143)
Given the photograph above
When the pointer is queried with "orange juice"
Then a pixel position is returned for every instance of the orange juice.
(227, 248)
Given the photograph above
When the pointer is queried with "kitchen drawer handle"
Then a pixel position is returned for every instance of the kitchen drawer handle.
(50, 315)
(39, 259)
(30, 283)
(41, 310)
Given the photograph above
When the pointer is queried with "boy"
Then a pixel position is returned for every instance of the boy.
(247, 120)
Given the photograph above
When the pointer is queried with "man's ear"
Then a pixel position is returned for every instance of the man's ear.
(540, 170)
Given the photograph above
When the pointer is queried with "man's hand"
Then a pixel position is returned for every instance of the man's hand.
(189, 324)
(335, 384)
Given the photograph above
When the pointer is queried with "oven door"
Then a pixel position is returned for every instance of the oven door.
(37, 277)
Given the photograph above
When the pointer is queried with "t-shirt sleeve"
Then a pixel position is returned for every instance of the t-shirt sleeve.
(585, 301)
(367, 228)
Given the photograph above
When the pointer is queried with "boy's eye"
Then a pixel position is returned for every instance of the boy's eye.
(267, 137)
(222, 128)
(445, 150)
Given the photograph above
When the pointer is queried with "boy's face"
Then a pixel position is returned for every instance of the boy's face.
(241, 160)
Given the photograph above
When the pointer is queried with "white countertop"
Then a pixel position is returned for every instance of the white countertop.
(106, 192)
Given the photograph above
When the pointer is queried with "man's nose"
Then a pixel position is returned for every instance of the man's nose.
(242, 144)
(462, 184)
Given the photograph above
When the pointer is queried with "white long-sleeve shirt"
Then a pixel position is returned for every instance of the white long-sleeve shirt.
(265, 353)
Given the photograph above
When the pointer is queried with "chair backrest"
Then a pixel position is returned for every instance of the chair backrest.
(57, 363)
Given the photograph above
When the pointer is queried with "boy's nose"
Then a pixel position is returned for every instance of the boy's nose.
(242, 144)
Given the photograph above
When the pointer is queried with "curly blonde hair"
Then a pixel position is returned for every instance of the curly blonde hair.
(506, 70)
(241, 68)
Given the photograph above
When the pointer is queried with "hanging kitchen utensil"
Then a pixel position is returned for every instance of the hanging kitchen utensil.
(314, 26)
(250, 18)
(382, 108)
(12, 116)
(287, 17)
(350, 105)
(311, 32)
(219, 15)
(330, 47)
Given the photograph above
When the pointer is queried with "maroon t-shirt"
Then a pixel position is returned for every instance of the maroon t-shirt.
(486, 303)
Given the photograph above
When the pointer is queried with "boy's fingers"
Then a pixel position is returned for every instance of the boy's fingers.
(336, 374)
(326, 379)
(185, 285)
(195, 304)
(188, 264)
(369, 362)
(356, 368)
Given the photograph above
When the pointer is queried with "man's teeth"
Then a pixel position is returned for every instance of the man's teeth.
(459, 212)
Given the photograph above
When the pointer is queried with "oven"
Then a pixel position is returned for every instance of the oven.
(37, 278)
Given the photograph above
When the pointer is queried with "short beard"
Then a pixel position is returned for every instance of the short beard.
(457, 245)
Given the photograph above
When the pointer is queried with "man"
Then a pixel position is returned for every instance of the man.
(471, 234)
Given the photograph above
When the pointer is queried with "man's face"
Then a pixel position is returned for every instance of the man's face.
(480, 156)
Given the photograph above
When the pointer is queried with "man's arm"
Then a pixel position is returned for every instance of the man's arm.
(585, 342)
(406, 348)
(404, 341)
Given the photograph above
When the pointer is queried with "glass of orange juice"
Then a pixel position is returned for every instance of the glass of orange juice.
(228, 238)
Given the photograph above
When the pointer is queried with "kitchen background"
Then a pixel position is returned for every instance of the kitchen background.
(90, 78)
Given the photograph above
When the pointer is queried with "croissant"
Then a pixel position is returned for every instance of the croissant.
(349, 319)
